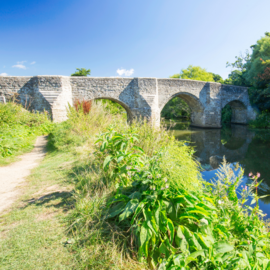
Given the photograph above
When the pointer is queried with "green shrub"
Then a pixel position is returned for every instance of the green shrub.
(19, 128)
(262, 121)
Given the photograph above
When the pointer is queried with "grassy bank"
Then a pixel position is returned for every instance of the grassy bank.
(18, 130)
(116, 196)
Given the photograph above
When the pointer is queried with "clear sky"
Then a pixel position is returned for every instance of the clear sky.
(142, 38)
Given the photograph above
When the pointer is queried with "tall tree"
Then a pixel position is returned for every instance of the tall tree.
(81, 72)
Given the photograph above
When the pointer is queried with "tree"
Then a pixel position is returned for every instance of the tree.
(253, 70)
(217, 78)
(238, 75)
(195, 73)
(81, 72)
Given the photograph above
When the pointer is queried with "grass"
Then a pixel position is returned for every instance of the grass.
(18, 130)
(101, 205)
(32, 234)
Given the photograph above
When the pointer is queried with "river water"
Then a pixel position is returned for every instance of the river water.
(238, 143)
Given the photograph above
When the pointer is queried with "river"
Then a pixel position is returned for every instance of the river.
(239, 144)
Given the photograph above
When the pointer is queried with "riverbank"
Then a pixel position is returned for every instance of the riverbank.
(113, 196)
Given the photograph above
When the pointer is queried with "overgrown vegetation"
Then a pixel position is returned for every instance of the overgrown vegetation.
(18, 130)
(139, 202)
(140, 193)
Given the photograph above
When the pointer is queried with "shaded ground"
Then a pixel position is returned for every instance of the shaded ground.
(13, 175)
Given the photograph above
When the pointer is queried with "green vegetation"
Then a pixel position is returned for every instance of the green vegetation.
(81, 72)
(226, 114)
(176, 108)
(249, 70)
(19, 129)
(253, 70)
(195, 73)
(130, 197)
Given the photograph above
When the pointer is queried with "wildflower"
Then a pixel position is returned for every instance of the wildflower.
(154, 188)
(250, 174)
(149, 176)
(220, 202)
(165, 180)
(128, 167)
(204, 221)
(158, 176)
(129, 173)
(151, 188)
(167, 186)
(245, 188)
(162, 188)
(258, 175)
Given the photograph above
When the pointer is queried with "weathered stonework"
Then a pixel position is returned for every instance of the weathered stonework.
(141, 97)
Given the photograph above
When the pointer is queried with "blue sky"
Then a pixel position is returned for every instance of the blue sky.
(150, 38)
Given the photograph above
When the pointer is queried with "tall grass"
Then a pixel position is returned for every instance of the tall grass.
(19, 128)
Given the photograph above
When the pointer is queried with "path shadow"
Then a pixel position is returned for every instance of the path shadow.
(57, 199)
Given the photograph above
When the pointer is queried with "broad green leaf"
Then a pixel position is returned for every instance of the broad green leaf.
(119, 159)
(253, 201)
(180, 240)
(135, 195)
(106, 163)
(116, 210)
(129, 209)
(171, 229)
(222, 247)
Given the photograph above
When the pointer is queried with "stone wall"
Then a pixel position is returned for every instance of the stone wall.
(141, 97)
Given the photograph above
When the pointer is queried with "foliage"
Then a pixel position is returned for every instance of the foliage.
(195, 73)
(176, 227)
(226, 114)
(19, 128)
(262, 120)
(217, 78)
(81, 72)
(176, 108)
(253, 70)
(75, 131)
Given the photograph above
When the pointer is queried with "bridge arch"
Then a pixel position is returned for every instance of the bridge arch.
(195, 105)
(121, 103)
(239, 111)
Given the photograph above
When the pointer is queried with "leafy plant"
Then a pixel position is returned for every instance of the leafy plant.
(176, 228)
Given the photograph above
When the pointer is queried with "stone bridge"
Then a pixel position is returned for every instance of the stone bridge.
(141, 97)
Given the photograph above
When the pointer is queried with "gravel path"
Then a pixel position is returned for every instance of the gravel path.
(14, 174)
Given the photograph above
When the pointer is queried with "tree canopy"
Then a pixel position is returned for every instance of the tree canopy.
(195, 73)
(253, 70)
(81, 72)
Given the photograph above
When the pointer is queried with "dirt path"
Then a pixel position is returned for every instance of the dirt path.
(14, 174)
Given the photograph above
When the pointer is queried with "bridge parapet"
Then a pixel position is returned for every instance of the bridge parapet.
(141, 97)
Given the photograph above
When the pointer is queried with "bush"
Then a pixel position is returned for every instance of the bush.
(19, 128)
(262, 121)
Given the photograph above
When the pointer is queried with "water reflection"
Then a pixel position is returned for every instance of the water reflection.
(238, 143)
